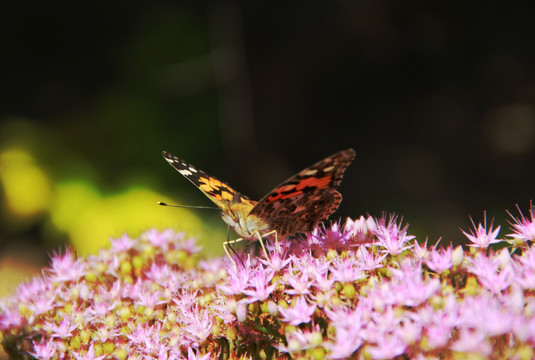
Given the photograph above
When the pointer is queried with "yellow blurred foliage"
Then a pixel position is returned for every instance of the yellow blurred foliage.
(91, 219)
(88, 217)
(27, 189)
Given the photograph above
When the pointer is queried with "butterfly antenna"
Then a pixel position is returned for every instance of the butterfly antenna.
(189, 206)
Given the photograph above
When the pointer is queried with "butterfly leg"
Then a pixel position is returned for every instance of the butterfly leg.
(277, 247)
(260, 239)
(226, 246)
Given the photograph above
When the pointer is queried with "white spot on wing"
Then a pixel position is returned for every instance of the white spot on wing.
(185, 172)
(328, 169)
(309, 172)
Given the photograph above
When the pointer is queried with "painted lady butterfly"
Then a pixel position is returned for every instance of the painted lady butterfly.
(295, 206)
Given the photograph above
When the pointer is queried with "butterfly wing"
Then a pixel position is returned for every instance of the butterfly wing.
(220, 193)
(307, 198)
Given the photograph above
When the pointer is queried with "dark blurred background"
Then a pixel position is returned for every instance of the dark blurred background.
(437, 98)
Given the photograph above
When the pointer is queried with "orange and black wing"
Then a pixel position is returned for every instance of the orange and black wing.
(307, 198)
(220, 193)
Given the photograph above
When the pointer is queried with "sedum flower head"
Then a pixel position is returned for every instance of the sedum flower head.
(523, 227)
(480, 236)
(364, 290)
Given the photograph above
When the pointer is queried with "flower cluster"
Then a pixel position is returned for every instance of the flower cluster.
(365, 290)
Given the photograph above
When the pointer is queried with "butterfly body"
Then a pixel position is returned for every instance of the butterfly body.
(239, 217)
(297, 205)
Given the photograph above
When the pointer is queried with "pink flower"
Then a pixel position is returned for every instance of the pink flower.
(161, 239)
(10, 317)
(238, 279)
(523, 228)
(44, 350)
(388, 346)
(65, 268)
(346, 270)
(189, 245)
(186, 298)
(392, 237)
(306, 263)
(301, 339)
(420, 251)
(38, 287)
(348, 325)
(360, 291)
(524, 269)
(89, 355)
(278, 258)
(407, 286)
(161, 273)
(260, 287)
(362, 230)
(105, 332)
(490, 274)
(438, 334)
(368, 261)
(485, 314)
(300, 313)
(328, 238)
(122, 244)
(300, 283)
(146, 336)
(345, 344)
(472, 341)
(439, 260)
(100, 308)
(323, 281)
(200, 325)
(349, 319)
(439, 323)
(63, 330)
(480, 236)
(41, 305)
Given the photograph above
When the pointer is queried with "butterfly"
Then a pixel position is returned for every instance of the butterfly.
(297, 205)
